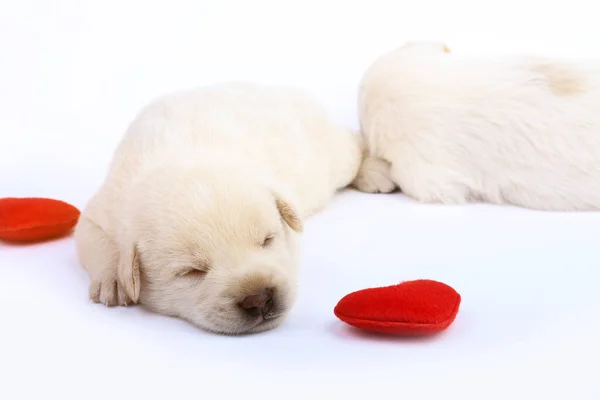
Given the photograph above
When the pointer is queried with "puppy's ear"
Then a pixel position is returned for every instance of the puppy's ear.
(128, 272)
(288, 213)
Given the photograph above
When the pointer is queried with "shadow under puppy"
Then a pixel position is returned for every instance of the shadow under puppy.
(200, 213)
(454, 129)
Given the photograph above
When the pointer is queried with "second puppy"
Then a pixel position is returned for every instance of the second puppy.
(450, 129)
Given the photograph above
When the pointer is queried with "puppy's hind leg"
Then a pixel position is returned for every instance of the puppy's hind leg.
(429, 183)
(98, 254)
(374, 176)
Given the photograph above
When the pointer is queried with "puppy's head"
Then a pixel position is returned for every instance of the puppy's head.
(216, 249)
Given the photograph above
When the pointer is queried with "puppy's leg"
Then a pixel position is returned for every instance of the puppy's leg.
(427, 183)
(98, 254)
(374, 176)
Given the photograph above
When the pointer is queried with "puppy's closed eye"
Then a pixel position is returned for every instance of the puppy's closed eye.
(194, 272)
(268, 239)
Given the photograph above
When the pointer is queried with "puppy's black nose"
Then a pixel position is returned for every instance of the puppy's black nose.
(258, 304)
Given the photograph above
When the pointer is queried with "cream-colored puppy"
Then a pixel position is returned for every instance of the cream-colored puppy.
(200, 214)
(513, 130)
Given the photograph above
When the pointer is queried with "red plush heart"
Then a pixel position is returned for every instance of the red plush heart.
(28, 219)
(419, 307)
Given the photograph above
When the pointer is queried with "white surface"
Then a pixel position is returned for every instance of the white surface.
(74, 73)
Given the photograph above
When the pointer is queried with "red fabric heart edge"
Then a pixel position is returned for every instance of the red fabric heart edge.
(396, 327)
(35, 219)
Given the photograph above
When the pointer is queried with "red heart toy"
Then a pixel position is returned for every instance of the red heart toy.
(29, 219)
(420, 307)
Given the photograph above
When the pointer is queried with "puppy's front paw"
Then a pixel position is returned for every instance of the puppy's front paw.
(108, 292)
(374, 176)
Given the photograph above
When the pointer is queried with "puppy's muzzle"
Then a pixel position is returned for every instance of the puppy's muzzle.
(259, 304)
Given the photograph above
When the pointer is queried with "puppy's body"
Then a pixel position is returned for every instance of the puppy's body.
(204, 201)
(522, 131)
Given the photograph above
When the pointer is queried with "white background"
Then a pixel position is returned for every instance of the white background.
(73, 73)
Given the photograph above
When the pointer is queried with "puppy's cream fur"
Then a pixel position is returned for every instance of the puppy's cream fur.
(451, 129)
(204, 203)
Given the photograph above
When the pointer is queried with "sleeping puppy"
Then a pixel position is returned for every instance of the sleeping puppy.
(200, 214)
(448, 129)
